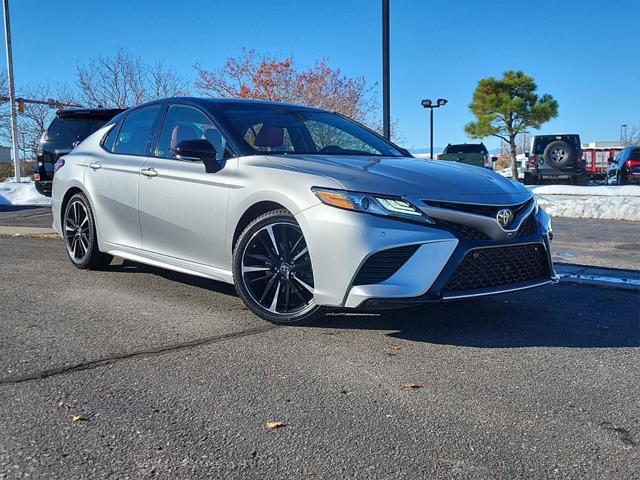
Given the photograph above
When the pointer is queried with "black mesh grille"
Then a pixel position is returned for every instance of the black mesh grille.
(486, 210)
(464, 232)
(498, 266)
(528, 227)
(382, 265)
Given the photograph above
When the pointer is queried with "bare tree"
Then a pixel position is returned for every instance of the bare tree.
(124, 80)
(631, 135)
(35, 119)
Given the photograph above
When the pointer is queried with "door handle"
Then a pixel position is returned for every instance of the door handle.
(149, 172)
(95, 165)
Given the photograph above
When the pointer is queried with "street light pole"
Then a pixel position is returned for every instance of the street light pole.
(386, 115)
(430, 105)
(431, 132)
(12, 91)
(622, 137)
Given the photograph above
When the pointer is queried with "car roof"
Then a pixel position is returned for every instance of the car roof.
(89, 112)
(217, 101)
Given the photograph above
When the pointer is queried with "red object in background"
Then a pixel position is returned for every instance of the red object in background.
(597, 159)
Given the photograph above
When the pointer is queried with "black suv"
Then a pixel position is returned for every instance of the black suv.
(69, 128)
(555, 156)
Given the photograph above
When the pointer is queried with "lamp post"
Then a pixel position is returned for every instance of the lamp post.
(430, 105)
(623, 127)
(386, 115)
(12, 93)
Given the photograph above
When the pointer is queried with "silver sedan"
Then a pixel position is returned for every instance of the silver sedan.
(301, 209)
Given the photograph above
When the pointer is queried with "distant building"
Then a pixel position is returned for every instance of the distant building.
(607, 145)
(5, 154)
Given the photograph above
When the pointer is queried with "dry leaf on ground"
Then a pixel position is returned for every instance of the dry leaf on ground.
(79, 418)
(273, 425)
(411, 386)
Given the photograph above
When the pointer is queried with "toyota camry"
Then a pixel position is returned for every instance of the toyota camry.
(302, 209)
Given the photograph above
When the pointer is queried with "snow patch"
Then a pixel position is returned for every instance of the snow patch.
(611, 202)
(594, 190)
(21, 193)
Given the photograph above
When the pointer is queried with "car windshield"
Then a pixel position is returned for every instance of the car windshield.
(69, 130)
(465, 148)
(278, 129)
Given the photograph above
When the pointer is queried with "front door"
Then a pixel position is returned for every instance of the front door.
(182, 208)
(112, 177)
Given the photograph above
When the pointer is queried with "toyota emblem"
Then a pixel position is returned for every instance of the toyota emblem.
(504, 217)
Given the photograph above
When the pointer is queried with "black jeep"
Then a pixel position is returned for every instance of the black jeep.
(69, 128)
(555, 157)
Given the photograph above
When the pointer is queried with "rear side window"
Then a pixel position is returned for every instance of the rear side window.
(68, 130)
(136, 134)
(635, 154)
(465, 148)
(110, 139)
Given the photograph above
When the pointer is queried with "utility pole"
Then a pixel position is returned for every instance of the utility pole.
(386, 115)
(12, 91)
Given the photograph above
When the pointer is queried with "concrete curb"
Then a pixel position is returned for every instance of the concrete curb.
(599, 276)
(28, 232)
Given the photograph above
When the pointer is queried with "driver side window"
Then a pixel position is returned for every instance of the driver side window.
(187, 123)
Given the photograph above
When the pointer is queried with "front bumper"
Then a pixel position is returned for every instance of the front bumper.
(341, 242)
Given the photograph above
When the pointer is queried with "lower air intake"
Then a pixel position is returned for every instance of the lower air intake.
(382, 265)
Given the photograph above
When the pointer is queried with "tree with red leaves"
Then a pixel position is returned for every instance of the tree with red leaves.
(269, 78)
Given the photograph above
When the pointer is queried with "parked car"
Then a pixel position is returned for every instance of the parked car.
(625, 167)
(470, 153)
(69, 128)
(300, 208)
(555, 157)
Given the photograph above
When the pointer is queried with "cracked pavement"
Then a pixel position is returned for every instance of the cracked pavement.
(135, 372)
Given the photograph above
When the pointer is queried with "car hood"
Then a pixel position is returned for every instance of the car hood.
(410, 177)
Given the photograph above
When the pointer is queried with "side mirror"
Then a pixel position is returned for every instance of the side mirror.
(610, 160)
(200, 150)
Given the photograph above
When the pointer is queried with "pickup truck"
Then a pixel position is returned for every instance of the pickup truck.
(470, 153)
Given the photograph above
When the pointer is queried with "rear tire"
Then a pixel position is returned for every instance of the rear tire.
(272, 269)
(530, 179)
(580, 180)
(80, 238)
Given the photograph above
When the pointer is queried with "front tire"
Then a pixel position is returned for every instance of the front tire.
(272, 269)
(80, 235)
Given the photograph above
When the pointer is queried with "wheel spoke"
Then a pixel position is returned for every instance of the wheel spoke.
(261, 258)
(287, 292)
(85, 244)
(273, 239)
(246, 269)
(285, 244)
(257, 279)
(267, 288)
(295, 245)
(74, 243)
(304, 250)
(309, 288)
(297, 292)
(274, 303)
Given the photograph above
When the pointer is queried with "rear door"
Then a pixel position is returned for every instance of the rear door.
(112, 176)
(182, 207)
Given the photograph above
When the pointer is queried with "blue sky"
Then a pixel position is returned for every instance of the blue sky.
(585, 53)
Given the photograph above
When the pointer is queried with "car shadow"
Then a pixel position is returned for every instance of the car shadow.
(508, 321)
(129, 266)
(566, 316)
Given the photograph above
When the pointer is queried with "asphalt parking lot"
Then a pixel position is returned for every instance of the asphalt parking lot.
(136, 372)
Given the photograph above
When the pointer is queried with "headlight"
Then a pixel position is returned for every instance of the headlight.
(369, 203)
